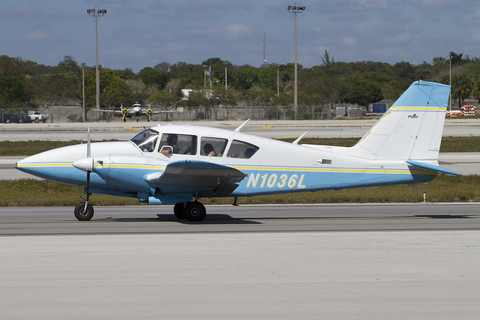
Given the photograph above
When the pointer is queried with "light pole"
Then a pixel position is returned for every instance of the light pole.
(210, 74)
(97, 13)
(295, 9)
(225, 63)
(226, 79)
(204, 77)
(83, 64)
(278, 81)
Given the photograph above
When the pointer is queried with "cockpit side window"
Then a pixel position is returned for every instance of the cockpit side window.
(146, 140)
(213, 147)
(179, 143)
(240, 149)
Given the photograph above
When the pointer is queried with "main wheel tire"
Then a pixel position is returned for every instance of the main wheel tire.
(195, 211)
(179, 210)
(81, 214)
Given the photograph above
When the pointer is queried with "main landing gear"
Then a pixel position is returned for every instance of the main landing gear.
(192, 211)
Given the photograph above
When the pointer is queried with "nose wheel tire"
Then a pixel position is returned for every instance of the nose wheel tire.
(83, 214)
(195, 211)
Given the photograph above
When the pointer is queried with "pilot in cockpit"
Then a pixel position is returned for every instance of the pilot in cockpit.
(172, 141)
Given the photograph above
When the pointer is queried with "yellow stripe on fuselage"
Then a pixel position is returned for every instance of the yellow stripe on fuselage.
(395, 171)
(18, 165)
(132, 166)
(417, 109)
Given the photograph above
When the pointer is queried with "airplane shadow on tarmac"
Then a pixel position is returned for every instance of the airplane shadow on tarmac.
(209, 219)
(219, 219)
(443, 216)
(213, 218)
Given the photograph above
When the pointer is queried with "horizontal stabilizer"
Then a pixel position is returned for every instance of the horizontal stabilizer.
(431, 167)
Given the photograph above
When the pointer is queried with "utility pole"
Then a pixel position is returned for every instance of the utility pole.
(83, 64)
(450, 96)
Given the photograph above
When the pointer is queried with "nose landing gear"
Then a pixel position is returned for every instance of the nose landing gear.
(84, 211)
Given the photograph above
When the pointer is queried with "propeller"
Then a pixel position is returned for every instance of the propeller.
(84, 211)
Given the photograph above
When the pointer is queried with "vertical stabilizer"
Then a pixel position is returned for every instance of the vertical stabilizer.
(411, 129)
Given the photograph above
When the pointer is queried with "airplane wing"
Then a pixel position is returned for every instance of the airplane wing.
(158, 111)
(215, 178)
(107, 111)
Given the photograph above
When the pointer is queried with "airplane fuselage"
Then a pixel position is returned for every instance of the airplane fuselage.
(121, 168)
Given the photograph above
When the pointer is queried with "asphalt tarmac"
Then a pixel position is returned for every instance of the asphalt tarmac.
(244, 218)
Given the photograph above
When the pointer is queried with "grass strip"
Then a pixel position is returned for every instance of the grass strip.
(30, 192)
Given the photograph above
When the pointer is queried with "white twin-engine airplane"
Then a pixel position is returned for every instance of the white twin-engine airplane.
(179, 164)
(135, 111)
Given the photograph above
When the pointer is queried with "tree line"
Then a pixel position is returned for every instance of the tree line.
(25, 84)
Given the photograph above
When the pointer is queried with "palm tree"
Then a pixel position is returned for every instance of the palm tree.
(461, 87)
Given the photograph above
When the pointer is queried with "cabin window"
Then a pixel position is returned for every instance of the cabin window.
(146, 140)
(213, 147)
(240, 149)
(178, 144)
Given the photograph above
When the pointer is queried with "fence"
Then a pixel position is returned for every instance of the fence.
(74, 113)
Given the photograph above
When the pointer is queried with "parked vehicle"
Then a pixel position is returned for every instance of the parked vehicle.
(6, 117)
(14, 118)
(21, 118)
(36, 116)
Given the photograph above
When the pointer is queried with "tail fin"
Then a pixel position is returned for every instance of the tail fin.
(411, 129)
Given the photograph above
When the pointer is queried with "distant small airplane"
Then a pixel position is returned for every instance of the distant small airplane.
(135, 111)
(179, 164)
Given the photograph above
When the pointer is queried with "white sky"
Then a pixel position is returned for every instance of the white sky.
(141, 33)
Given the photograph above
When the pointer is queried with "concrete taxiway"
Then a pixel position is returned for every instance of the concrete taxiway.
(162, 272)
(271, 129)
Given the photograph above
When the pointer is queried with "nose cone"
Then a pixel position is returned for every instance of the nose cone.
(84, 164)
(62, 164)
(44, 165)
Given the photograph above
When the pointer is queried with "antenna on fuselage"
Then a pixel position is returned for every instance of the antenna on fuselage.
(242, 125)
(299, 138)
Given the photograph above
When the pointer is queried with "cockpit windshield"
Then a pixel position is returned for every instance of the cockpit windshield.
(146, 140)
